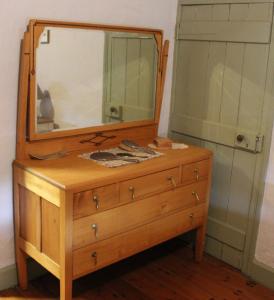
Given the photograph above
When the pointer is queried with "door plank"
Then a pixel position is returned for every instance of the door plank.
(260, 12)
(194, 57)
(226, 233)
(147, 88)
(132, 72)
(213, 247)
(214, 81)
(232, 256)
(226, 31)
(241, 189)
(118, 71)
(181, 76)
(220, 12)
(253, 86)
(232, 83)
(223, 159)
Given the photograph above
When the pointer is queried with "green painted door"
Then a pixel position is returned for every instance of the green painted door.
(221, 94)
(130, 73)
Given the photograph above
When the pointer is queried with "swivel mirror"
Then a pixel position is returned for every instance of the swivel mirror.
(84, 86)
(86, 78)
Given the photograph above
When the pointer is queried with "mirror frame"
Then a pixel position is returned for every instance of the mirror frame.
(36, 28)
(30, 142)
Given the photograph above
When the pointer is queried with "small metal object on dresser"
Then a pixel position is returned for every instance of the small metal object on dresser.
(133, 145)
(108, 156)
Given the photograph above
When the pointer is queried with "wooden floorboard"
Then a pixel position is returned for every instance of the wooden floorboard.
(166, 272)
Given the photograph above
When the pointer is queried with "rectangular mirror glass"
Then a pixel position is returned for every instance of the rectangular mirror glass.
(87, 78)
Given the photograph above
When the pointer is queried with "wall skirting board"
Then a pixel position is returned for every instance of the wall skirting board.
(8, 275)
(263, 274)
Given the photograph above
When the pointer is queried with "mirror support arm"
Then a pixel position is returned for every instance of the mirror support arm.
(23, 95)
(164, 59)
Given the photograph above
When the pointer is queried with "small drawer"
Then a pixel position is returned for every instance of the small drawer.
(103, 225)
(99, 199)
(195, 172)
(149, 184)
(184, 196)
(100, 254)
(198, 191)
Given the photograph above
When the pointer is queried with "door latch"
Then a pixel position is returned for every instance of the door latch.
(249, 142)
(259, 143)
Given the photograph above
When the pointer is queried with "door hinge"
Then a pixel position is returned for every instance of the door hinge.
(259, 143)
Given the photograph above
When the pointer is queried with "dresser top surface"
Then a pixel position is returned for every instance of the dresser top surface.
(73, 172)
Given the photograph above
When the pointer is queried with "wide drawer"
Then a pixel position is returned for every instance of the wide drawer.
(195, 171)
(99, 199)
(100, 254)
(149, 184)
(120, 219)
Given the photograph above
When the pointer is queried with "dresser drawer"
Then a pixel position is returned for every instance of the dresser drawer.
(149, 184)
(99, 199)
(100, 254)
(195, 171)
(117, 220)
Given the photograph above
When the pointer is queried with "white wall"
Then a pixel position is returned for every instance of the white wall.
(265, 240)
(14, 16)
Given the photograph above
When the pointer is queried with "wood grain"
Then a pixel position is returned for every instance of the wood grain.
(92, 201)
(136, 213)
(77, 174)
(129, 243)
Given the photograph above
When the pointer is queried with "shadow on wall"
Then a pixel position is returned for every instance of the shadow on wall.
(265, 241)
(6, 211)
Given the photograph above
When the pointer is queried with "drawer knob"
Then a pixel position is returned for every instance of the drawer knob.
(95, 228)
(96, 200)
(132, 190)
(172, 180)
(191, 217)
(196, 172)
(195, 194)
(94, 256)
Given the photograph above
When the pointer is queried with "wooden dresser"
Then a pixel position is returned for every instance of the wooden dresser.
(72, 215)
(75, 216)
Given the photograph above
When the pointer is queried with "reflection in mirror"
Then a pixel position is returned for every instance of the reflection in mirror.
(88, 78)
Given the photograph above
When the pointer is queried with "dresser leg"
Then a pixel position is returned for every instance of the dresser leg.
(200, 242)
(21, 259)
(65, 289)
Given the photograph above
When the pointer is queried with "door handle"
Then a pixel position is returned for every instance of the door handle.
(240, 138)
